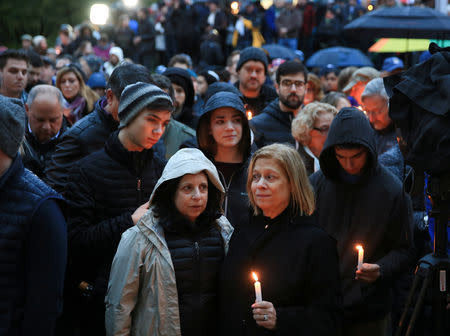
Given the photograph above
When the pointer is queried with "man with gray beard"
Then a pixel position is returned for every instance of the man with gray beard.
(274, 123)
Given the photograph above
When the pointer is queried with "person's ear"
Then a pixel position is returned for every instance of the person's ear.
(109, 95)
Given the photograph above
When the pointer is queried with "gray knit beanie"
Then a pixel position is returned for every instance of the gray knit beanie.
(252, 54)
(12, 125)
(136, 97)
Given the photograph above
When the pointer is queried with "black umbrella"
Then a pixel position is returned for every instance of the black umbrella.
(279, 51)
(406, 22)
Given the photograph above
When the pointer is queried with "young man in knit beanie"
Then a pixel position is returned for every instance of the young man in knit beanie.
(252, 70)
(33, 244)
(107, 193)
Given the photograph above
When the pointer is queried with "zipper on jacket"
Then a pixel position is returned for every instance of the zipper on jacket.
(139, 189)
(196, 251)
(227, 187)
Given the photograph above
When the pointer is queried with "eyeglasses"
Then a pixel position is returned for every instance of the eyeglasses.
(288, 83)
(322, 130)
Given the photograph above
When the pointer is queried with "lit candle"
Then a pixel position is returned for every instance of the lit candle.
(258, 294)
(360, 255)
(249, 114)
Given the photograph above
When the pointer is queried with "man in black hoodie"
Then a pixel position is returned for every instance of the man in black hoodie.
(183, 89)
(361, 202)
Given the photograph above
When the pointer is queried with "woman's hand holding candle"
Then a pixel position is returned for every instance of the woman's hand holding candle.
(265, 314)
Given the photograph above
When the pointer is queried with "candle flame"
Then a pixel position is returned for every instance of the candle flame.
(255, 276)
(249, 115)
(359, 247)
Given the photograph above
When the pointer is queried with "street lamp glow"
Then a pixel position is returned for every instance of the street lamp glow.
(99, 14)
(130, 3)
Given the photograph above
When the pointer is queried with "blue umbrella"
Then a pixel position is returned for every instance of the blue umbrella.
(279, 51)
(340, 57)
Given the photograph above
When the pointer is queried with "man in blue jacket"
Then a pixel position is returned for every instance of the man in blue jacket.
(33, 240)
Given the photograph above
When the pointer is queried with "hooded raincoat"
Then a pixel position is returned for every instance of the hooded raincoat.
(370, 209)
(142, 296)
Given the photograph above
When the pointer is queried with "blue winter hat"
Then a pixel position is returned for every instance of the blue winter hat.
(392, 63)
(97, 80)
(224, 99)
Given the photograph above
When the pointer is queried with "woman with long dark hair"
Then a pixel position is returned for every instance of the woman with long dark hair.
(223, 135)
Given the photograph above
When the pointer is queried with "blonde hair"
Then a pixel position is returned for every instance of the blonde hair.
(86, 92)
(303, 123)
(316, 86)
(302, 195)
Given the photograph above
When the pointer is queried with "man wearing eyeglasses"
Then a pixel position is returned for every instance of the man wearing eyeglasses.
(274, 123)
(376, 106)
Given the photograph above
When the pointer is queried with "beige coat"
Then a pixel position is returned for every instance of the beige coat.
(142, 296)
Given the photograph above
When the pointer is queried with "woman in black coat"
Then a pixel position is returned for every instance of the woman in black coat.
(296, 261)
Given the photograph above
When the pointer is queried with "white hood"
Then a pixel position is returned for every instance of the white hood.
(188, 161)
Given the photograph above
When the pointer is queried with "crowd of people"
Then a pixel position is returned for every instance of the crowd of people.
(138, 199)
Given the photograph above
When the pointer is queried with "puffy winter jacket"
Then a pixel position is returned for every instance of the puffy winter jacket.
(103, 191)
(142, 296)
(85, 137)
(272, 125)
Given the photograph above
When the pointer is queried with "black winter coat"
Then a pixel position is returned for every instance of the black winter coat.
(84, 137)
(258, 104)
(197, 254)
(272, 125)
(146, 31)
(297, 265)
(103, 191)
(373, 211)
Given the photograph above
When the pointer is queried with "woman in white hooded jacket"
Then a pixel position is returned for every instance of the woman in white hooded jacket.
(164, 275)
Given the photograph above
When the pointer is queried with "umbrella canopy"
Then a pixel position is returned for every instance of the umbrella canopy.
(338, 56)
(407, 22)
(388, 45)
(279, 51)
